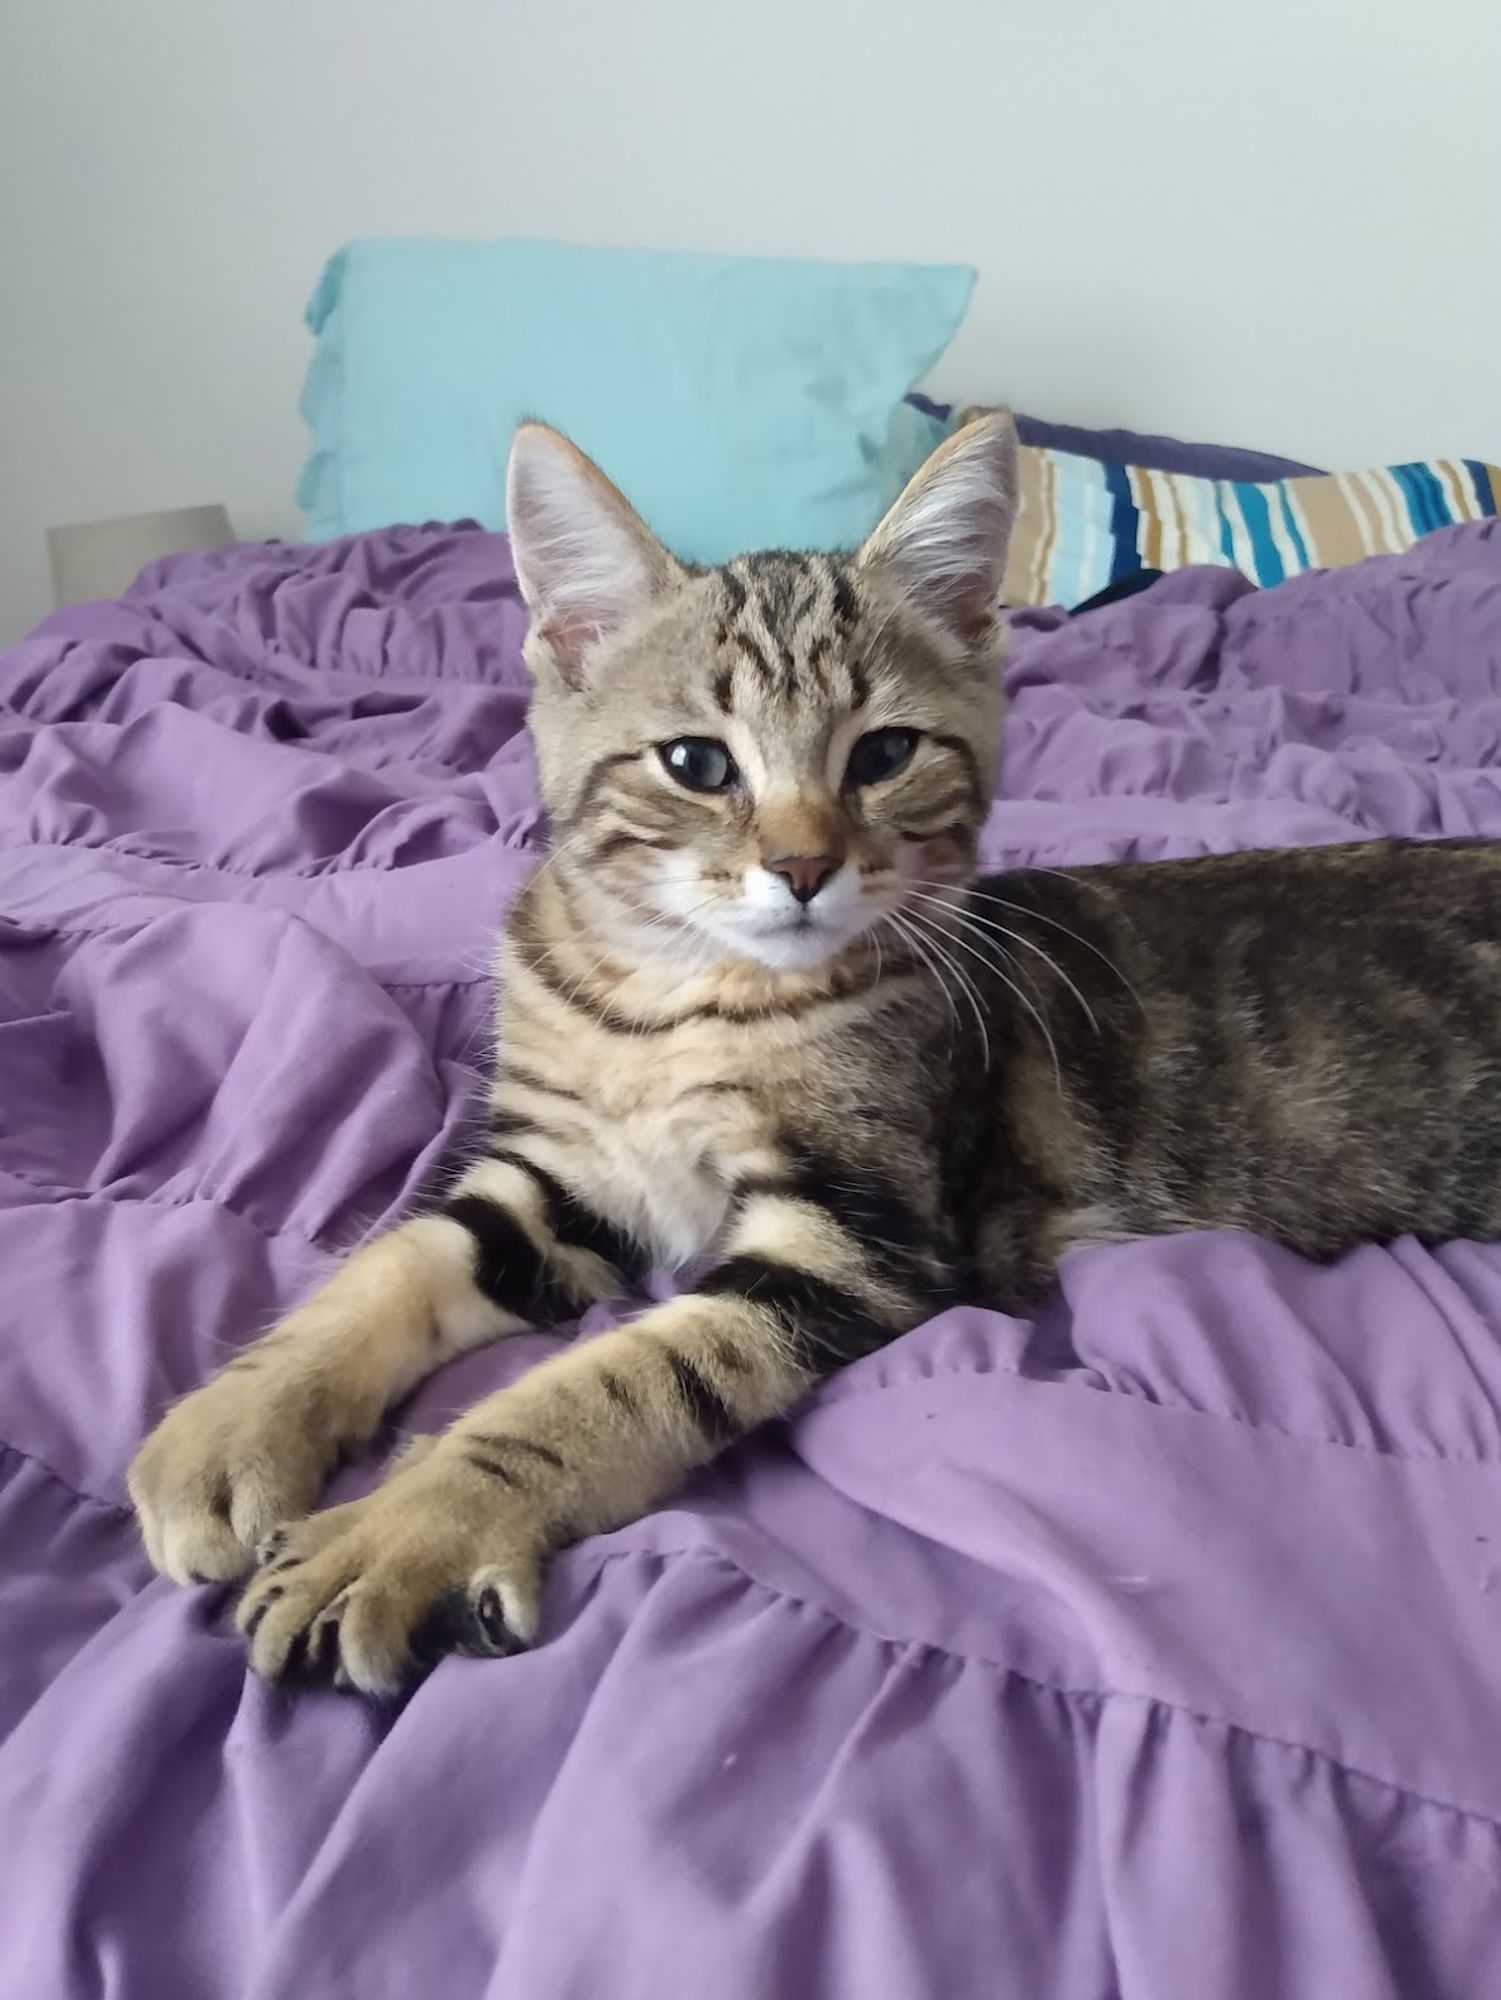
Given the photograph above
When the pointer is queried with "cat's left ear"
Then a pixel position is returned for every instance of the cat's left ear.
(586, 561)
(943, 544)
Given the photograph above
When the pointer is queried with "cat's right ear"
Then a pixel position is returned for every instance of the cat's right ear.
(586, 561)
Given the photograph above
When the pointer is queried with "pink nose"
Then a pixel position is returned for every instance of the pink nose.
(804, 874)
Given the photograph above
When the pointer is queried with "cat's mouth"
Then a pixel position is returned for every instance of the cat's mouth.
(797, 941)
(765, 924)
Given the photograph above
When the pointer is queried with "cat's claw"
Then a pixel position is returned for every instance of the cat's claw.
(373, 1594)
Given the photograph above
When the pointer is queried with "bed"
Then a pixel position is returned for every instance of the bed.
(1149, 1649)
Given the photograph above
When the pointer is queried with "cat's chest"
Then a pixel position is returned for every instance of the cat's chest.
(664, 1145)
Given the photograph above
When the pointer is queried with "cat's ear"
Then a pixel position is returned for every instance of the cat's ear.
(585, 560)
(943, 544)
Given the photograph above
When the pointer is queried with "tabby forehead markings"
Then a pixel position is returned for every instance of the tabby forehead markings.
(786, 614)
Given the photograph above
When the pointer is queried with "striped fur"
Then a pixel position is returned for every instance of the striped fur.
(900, 1088)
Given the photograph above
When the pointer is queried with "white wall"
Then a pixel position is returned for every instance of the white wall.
(1273, 224)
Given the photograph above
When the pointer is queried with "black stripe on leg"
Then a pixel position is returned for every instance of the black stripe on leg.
(870, 1208)
(824, 1325)
(509, 1268)
(619, 1392)
(496, 1467)
(730, 1356)
(573, 1222)
(501, 1444)
(702, 1400)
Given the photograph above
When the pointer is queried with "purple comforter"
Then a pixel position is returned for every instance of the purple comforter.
(1152, 1650)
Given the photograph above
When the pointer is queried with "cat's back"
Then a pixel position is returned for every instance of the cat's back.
(1331, 926)
(1305, 1042)
(1352, 886)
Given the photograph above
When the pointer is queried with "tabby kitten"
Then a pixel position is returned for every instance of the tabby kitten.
(756, 1006)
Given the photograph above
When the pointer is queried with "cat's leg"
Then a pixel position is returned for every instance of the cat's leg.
(254, 1447)
(448, 1554)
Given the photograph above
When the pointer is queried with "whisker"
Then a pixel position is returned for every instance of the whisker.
(910, 938)
(966, 984)
(1041, 916)
(555, 852)
(997, 930)
(1015, 990)
(1062, 875)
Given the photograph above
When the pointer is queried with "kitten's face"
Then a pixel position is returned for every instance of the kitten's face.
(772, 759)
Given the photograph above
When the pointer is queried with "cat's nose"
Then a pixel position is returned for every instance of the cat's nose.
(804, 874)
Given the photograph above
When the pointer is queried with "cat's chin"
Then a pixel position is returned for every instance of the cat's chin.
(790, 947)
(797, 952)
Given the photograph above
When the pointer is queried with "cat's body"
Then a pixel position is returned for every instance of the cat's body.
(1226, 1042)
(756, 1009)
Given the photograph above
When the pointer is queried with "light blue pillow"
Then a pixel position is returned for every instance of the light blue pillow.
(739, 402)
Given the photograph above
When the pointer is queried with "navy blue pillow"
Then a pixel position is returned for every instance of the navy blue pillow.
(1157, 454)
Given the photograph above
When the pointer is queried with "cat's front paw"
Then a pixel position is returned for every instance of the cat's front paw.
(251, 1449)
(373, 1594)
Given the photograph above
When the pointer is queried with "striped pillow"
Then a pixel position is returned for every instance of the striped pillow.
(1084, 523)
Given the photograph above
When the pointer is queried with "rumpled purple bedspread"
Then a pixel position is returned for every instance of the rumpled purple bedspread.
(1152, 1650)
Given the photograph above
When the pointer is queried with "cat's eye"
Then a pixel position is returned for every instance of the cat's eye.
(699, 763)
(879, 754)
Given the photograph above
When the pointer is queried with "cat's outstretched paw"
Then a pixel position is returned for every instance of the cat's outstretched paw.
(250, 1449)
(372, 1594)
